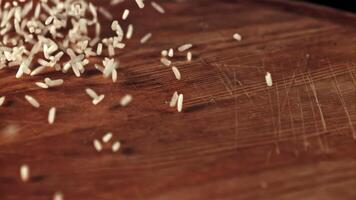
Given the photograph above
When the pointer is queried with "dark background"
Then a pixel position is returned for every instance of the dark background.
(349, 5)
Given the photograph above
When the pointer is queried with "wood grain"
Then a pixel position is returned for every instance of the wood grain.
(236, 138)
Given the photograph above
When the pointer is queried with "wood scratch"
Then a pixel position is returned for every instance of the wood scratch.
(342, 100)
(236, 116)
(305, 141)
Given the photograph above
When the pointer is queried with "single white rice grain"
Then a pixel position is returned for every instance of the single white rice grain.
(174, 99)
(157, 7)
(129, 31)
(116, 146)
(53, 83)
(42, 85)
(268, 78)
(52, 115)
(107, 137)
(97, 100)
(126, 100)
(176, 73)
(145, 38)
(125, 14)
(99, 49)
(24, 173)
(97, 145)
(166, 62)
(58, 196)
(91, 93)
(237, 37)
(170, 52)
(189, 56)
(32, 101)
(184, 47)
(2, 100)
(140, 3)
(164, 53)
(38, 70)
(180, 103)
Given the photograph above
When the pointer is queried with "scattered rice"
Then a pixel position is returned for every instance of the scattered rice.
(237, 37)
(184, 47)
(140, 3)
(97, 100)
(125, 14)
(170, 52)
(189, 56)
(32, 101)
(116, 146)
(174, 99)
(145, 38)
(180, 103)
(97, 145)
(176, 73)
(91, 93)
(129, 31)
(107, 137)
(24, 173)
(58, 196)
(166, 62)
(2, 100)
(268, 78)
(125, 100)
(51, 115)
(157, 7)
(42, 85)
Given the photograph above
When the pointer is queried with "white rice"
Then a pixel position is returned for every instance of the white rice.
(129, 31)
(99, 49)
(2, 100)
(184, 47)
(24, 173)
(52, 115)
(91, 93)
(145, 38)
(58, 196)
(97, 100)
(116, 146)
(157, 7)
(237, 37)
(97, 145)
(174, 99)
(180, 103)
(32, 101)
(164, 53)
(42, 85)
(140, 3)
(268, 78)
(107, 137)
(53, 83)
(176, 73)
(166, 62)
(189, 56)
(126, 100)
(170, 52)
(38, 70)
(125, 14)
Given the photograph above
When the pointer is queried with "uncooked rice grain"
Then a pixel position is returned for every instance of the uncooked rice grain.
(125, 100)
(24, 173)
(180, 103)
(2, 100)
(157, 7)
(107, 137)
(97, 100)
(176, 73)
(42, 85)
(145, 38)
(125, 14)
(97, 145)
(166, 62)
(184, 47)
(52, 115)
(189, 56)
(140, 3)
(58, 196)
(170, 52)
(116, 146)
(129, 31)
(164, 53)
(32, 101)
(91, 93)
(99, 49)
(237, 37)
(174, 99)
(268, 78)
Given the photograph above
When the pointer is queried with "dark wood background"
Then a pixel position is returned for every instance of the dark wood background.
(236, 138)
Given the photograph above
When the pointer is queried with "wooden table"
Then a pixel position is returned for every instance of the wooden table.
(235, 139)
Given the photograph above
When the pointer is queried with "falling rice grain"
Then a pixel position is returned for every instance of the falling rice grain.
(157, 7)
(125, 14)
(52, 115)
(97, 145)
(174, 99)
(268, 78)
(32, 101)
(145, 38)
(24, 173)
(91, 93)
(116, 146)
(176, 73)
(107, 137)
(125, 100)
(180, 103)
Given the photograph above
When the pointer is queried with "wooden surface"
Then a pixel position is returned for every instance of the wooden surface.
(236, 139)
